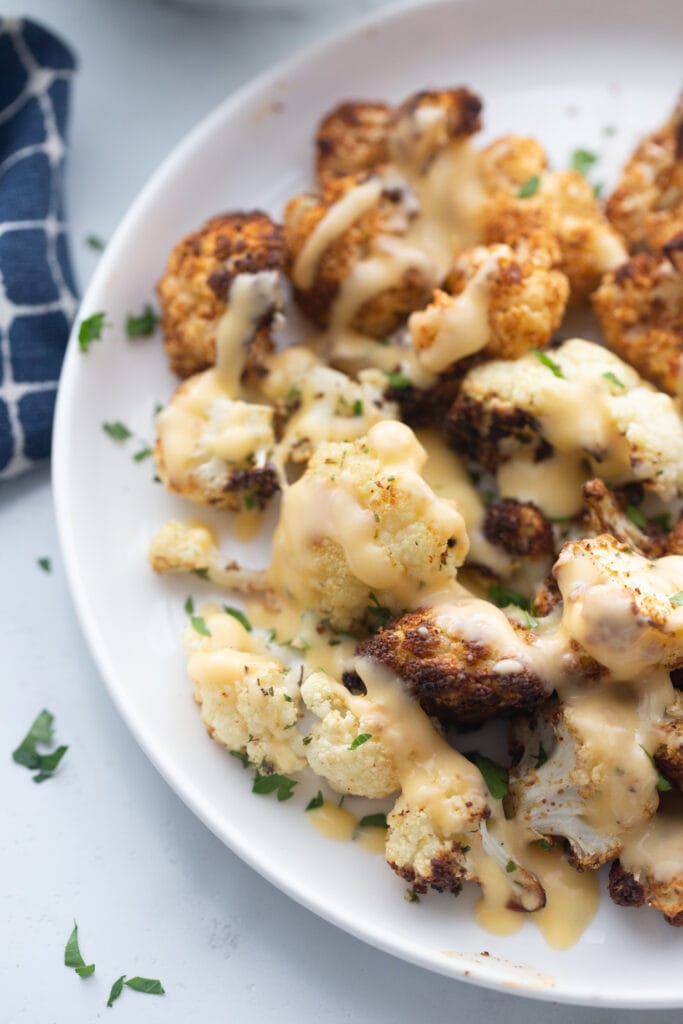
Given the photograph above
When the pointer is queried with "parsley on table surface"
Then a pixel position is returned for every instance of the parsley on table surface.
(142, 326)
(73, 957)
(45, 564)
(274, 783)
(117, 431)
(495, 775)
(90, 330)
(26, 754)
(116, 990)
(315, 802)
(530, 187)
(239, 615)
(150, 986)
(544, 358)
(362, 738)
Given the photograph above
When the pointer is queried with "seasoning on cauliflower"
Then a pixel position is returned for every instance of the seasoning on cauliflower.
(194, 291)
(648, 876)
(647, 204)
(249, 701)
(579, 401)
(214, 449)
(179, 547)
(640, 309)
(366, 769)
(362, 530)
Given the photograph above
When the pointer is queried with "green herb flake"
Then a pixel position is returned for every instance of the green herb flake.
(398, 381)
(582, 160)
(117, 431)
(315, 802)
(358, 407)
(373, 821)
(377, 613)
(73, 958)
(662, 784)
(362, 738)
(597, 189)
(90, 330)
(636, 517)
(510, 867)
(609, 130)
(27, 755)
(95, 242)
(541, 756)
(241, 756)
(503, 597)
(116, 990)
(150, 986)
(45, 564)
(199, 624)
(530, 621)
(189, 606)
(143, 454)
(544, 358)
(307, 740)
(158, 407)
(530, 187)
(249, 502)
(495, 775)
(142, 326)
(280, 784)
(613, 379)
(240, 616)
(202, 573)
(410, 896)
(544, 844)
(663, 520)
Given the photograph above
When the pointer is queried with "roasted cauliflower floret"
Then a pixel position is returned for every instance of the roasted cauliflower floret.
(366, 769)
(647, 204)
(668, 744)
(361, 528)
(502, 305)
(342, 246)
(249, 701)
(429, 121)
(464, 660)
(352, 138)
(583, 774)
(179, 547)
(194, 291)
(519, 528)
(214, 449)
(640, 309)
(509, 162)
(648, 875)
(606, 513)
(564, 210)
(579, 400)
(618, 605)
(422, 857)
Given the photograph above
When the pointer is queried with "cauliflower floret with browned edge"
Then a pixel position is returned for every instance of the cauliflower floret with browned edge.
(367, 238)
(509, 162)
(640, 309)
(503, 304)
(647, 204)
(668, 743)
(361, 528)
(563, 209)
(249, 701)
(578, 400)
(365, 769)
(352, 137)
(215, 449)
(649, 873)
(194, 290)
(192, 547)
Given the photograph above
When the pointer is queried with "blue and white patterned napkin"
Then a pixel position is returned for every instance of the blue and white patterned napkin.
(37, 289)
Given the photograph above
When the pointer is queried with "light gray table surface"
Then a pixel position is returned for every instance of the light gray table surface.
(107, 842)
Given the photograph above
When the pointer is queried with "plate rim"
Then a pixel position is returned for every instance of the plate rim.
(467, 970)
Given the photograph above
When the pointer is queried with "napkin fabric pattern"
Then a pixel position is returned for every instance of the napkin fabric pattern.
(37, 288)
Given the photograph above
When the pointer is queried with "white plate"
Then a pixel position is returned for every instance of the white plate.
(562, 72)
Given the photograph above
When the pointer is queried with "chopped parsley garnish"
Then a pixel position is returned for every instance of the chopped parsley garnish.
(398, 381)
(609, 130)
(116, 990)
(280, 784)
(530, 621)
(73, 958)
(541, 756)
(597, 189)
(377, 613)
(158, 407)
(249, 502)
(90, 330)
(45, 564)
(613, 379)
(117, 431)
(315, 802)
(510, 867)
(26, 754)
(306, 740)
(202, 573)
(663, 520)
(144, 453)
(663, 785)
(582, 160)
(143, 325)
(636, 516)
(360, 739)
(411, 896)
(358, 407)
(373, 821)
(240, 616)
(544, 844)
(530, 187)
(241, 756)
(495, 775)
(189, 605)
(95, 242)
(503, 597)
(199, 624)
(150, 986)
(544, 358)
